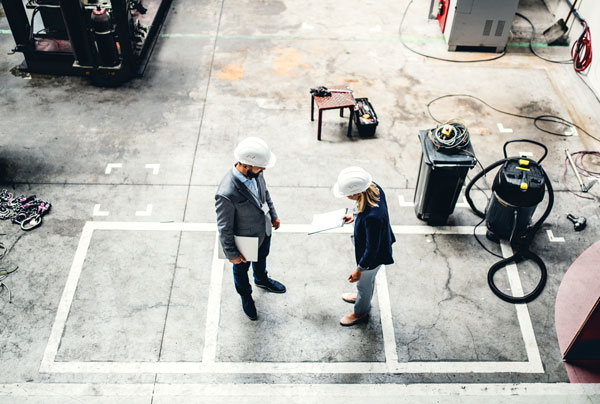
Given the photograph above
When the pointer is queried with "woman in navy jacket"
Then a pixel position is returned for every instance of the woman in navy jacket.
(373, 237)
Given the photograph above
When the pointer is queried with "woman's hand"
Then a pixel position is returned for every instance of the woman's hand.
(355, 276)
(348, 219)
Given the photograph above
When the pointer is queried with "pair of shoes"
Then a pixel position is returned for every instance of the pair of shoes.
(352, 319)
(349, 297)
(249, 307)
(271, 285)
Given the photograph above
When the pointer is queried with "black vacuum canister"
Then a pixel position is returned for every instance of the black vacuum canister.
(442, 174)
(518, 188)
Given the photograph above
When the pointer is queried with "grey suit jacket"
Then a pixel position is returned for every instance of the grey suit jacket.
(239, 213)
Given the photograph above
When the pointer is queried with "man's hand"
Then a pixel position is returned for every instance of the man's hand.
(355, 276)
(276, 223)
(348, 219)
(238, 260)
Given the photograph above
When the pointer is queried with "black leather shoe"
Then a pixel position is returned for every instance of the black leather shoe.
(249, 307)
(271, 285)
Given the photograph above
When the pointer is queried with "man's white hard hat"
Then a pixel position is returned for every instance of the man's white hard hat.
(351, 181)
(254, 152)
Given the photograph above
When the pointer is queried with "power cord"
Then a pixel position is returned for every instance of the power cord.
(436, 57)
(531, 44)
(536, 119)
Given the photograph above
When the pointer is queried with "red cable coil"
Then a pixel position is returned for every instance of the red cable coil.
(581, 52)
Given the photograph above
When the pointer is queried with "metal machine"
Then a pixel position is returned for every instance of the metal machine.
(109, 41)
(475, 25)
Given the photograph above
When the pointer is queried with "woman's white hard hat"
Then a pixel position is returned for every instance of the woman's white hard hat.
(254, 152)
(351, 181)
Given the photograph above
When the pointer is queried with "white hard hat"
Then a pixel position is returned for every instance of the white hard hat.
(351, 181)
(255, 152)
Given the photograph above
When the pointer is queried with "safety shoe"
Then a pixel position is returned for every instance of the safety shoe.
(352, 319)
(349, 297)
(271, 285)
(249, 307)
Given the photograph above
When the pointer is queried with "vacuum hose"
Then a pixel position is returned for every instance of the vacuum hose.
(521, 244)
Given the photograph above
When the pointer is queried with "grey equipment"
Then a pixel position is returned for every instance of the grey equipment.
(479, 25)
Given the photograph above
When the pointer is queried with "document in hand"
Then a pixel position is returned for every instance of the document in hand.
(327, 221)
(247, 246)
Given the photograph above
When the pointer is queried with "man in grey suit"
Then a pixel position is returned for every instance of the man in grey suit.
(244, 208)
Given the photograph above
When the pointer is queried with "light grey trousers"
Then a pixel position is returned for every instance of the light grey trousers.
(365, 288)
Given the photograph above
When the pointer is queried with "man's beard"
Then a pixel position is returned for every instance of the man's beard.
(251, 175)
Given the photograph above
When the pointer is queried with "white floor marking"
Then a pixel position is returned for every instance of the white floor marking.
(155, 168)
(147, 212)
(533, 353)
(502, 129)
(387, 325)
(48, 365)
(110, 166)
(67, 297)
(296, 390)
(405, 204)
(554, 239)
(213, 307)
(572, 131)
(525, 154)
(98, 212)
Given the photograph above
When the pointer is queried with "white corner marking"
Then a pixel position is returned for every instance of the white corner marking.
(154, 167)
(554, 239)
(110, 166)
(502, 129)
(147, 212)
(98, 212)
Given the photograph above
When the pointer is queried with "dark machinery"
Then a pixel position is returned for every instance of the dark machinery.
(518, 188)
(109, 41)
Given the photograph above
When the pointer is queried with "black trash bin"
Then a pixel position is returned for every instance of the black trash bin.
(441, 177)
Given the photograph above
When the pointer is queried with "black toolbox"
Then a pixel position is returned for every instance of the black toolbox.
(365, 117)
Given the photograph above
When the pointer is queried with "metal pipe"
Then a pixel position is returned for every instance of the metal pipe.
(581, 184)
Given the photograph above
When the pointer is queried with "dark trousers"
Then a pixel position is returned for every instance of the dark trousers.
(240, 271)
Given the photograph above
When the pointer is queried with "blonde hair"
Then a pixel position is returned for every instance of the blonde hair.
(370, 197)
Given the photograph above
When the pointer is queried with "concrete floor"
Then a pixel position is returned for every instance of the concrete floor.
(119, 296)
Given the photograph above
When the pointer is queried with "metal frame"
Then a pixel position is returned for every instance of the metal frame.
(82, 57)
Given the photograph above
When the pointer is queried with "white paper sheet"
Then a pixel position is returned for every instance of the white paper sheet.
(247, 246)
(327, 221)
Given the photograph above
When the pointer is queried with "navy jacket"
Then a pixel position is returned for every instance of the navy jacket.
(373, 237)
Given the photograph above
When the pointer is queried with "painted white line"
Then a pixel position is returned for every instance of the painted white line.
(572, 131)
(290, 367)
(387, 325)
(155, 168)
(403, 203)
(147, 212)
(110, 166)
(554, 239)
(213, 307)
(525, 154)
(75, 389)
(502, 129)
(98, 212)
(153, 226)
(297, 390)
(48, 364)
(376, 390)
(67, 298)
(531, 346)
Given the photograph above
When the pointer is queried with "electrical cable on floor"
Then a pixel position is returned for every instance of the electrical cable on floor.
(436, 57)
(582, 169)
(531, 44)
(480, 243)
(536, 119)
